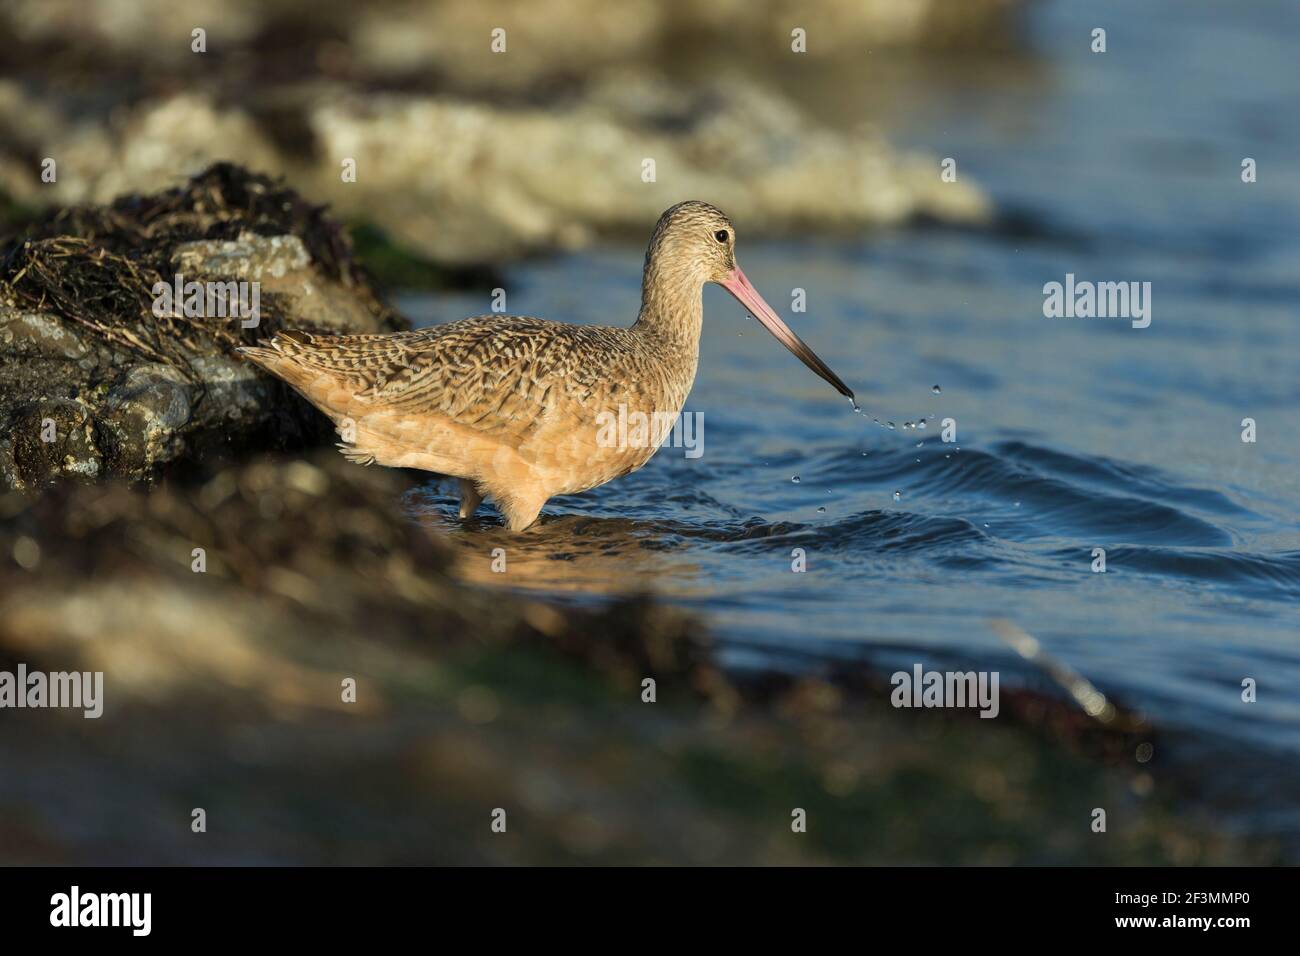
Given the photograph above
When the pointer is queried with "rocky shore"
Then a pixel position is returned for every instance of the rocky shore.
(97, 384)
(229, 615)
(231, 598)
(283, 647)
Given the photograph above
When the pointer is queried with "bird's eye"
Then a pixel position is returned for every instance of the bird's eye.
(720, 235)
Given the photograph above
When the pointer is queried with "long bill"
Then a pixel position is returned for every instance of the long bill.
(738, 285)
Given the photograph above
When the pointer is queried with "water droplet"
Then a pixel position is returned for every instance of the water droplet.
(937, 390)
(898, 496)
(891, 426)
(908, 426)
(795, 479)
(920, 444)
(821, 511)
(921, 423)
(1017, 504)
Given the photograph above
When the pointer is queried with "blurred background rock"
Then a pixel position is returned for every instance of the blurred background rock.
(465, 155)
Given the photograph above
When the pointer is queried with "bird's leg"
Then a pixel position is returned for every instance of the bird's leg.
(520, 509)
(470, 498)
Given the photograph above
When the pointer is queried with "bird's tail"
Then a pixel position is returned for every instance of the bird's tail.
(276, 355)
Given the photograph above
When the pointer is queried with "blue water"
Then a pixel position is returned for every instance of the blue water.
(1072, 434)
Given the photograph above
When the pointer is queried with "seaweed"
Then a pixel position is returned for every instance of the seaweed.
(79, 301)
(97, 265)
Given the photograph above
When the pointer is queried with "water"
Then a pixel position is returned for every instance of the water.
(1071, 434)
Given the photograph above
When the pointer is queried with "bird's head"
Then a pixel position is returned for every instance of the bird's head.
(695, 243)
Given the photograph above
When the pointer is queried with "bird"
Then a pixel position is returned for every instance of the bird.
(511, 405)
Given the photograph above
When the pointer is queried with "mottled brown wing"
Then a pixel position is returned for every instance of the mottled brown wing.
(494, 374)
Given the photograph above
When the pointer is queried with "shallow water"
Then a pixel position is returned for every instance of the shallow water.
(1072, 434)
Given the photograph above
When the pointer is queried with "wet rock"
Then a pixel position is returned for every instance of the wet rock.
(146, 413)
(103, 379)
(50, 437)
(35, 335)
(282, 266)
(249, 257)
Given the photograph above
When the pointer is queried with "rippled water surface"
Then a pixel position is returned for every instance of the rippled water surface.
(1071, 434)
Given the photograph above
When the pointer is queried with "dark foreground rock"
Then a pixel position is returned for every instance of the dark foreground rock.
(94, 383)
(227, 615)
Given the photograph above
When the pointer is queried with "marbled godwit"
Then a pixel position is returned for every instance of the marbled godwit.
(510, 404)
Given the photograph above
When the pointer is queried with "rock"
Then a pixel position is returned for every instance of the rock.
(146, 414)
(163, 142)
(467, 182)
(100, 381)
(281, 266)
(545, 43)
(464, 182)
(51, 436)
(249, 257)
(470, 156)
(550, 43)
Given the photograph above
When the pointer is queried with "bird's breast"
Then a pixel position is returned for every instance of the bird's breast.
(610, 432)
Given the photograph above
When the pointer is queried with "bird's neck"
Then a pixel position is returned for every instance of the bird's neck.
(672, 306)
